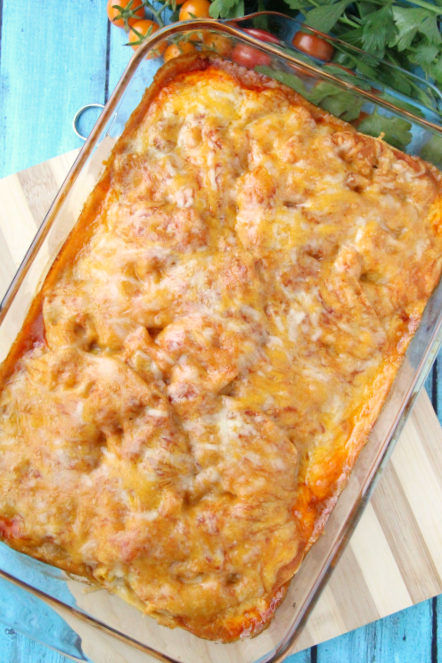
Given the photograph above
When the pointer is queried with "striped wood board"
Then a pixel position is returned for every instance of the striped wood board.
(394, 558)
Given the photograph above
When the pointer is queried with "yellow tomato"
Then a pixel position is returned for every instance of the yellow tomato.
(141, 31)
(194, 9)
(175, 50)
(218, 43)
(132, 10)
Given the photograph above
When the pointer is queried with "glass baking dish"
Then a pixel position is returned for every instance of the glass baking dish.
(124, 634)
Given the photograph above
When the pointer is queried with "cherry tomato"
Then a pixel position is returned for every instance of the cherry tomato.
(175, 50)
(145, 29)
(263, 35)
(218, 43)
(249, 57)
(133, 10)
(194, 9)
(313, 45)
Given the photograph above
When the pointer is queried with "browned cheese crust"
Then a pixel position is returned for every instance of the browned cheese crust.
(212, 347)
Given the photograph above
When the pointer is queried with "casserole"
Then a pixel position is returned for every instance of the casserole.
(200, 24)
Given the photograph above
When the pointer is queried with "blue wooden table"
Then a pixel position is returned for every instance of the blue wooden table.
(56, 56)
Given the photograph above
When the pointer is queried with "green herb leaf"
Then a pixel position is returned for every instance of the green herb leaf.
(321, 91)
(432, 151)
(338, 102)
(378, 30)
(237, 11)
(298, 4)
(283, 77)
(175, 16)
(222, 8)
(353, 37)
(366, 8)
(435, 70)
(409, 21)
(345, 105)
(366, 70)
(424, 53)
(396, 131)
(261, 22)
(324, 18)
(330, 97)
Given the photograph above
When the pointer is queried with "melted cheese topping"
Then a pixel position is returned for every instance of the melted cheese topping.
(239, 299)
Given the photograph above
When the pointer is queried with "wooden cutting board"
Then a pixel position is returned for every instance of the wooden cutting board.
(394, 558)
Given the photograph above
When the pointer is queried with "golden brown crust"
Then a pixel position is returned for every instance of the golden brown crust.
(212, 347)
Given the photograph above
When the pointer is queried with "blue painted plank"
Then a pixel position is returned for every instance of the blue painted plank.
(405, 637)
(52, 61)
(16, 648)
(302, 657)
(119, 55)
(437, 630)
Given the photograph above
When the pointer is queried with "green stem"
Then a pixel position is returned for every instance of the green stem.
(344, 19)
(426, 5)
(153, 11)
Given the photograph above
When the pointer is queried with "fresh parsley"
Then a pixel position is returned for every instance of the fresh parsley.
(328, 96)
(404, 33)
(393, 130)
(226, 8)
(325, 18)
(432, 151)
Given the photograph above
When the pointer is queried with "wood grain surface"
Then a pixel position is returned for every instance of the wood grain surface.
(394, 558)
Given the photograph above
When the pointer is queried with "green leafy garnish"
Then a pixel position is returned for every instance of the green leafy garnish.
(331, 98)
(393, 130)
(378, 30)
(283, 77)
(402, 33)
(298, 5)
(424, 53)
(325, 18)
(432, 151)
(344, 105)
(226, 8)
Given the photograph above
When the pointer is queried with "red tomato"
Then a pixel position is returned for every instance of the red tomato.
(133, 11)
(249, 57)
(194, 9)
(263, 35)
(313, 45)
